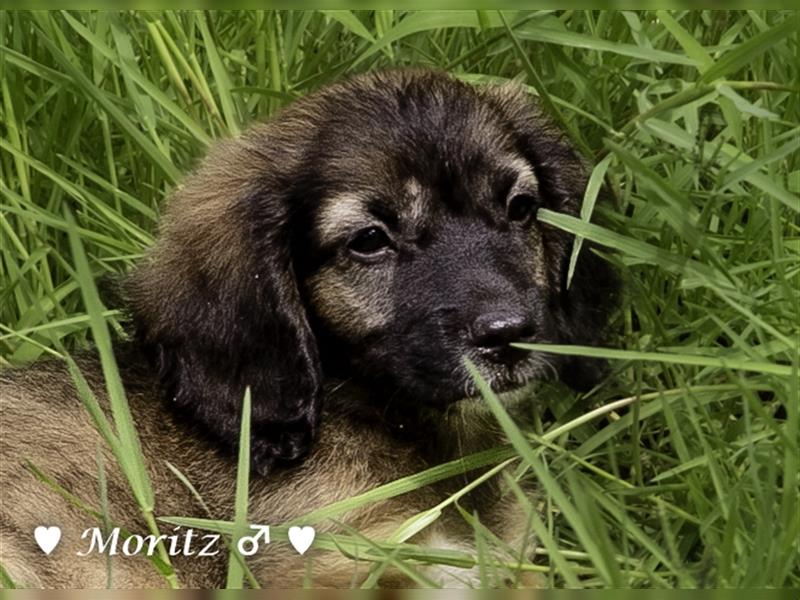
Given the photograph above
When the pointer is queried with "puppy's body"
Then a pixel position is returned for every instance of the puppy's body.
(356, 452)
(376, 232)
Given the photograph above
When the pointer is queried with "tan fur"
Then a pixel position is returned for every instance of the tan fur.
(349, 459)
(415, 208)
(338, 215)
(340, 299)
(202, 257)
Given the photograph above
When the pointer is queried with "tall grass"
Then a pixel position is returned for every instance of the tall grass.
(681, 468)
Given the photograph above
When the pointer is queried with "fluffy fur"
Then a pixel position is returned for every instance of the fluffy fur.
(341, 261)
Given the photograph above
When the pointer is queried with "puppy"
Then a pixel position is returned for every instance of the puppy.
(341, 261)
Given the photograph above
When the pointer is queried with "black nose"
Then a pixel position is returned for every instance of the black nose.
(493, 332)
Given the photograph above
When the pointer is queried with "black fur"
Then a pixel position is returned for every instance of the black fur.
(246, 316)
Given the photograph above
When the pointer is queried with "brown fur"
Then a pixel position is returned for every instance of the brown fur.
(354, 359)
(351, 457)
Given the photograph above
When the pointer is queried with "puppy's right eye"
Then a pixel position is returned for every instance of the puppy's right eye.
(369, 241)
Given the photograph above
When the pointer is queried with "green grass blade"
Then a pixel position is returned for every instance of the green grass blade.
(744, 53)
(157, 157)
(130, 454)
(235, 571)
(230, 109)
(637, 249)
(573, 40)
(587, 208)
(681, 359)
(546, 480)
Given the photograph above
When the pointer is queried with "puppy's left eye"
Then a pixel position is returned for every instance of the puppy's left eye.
(521, 207)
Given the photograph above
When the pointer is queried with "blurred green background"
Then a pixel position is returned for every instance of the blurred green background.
(690, 116)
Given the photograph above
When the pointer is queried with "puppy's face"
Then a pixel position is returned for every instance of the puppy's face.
(425, 248)
(381, 229)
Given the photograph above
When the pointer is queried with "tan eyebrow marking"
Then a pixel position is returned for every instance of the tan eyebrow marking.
(416, 208)
(526, 178)
(339, 214)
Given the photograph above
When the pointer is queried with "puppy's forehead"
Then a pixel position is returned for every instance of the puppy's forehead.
(413, 202)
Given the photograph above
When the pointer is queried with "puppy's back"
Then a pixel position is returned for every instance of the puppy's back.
(47, 430)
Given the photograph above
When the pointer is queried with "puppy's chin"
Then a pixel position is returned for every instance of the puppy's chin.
(510, 381)
(473, 412)
(509, 397)
(510, 384)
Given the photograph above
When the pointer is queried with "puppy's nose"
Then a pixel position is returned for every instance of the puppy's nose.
(493, 332)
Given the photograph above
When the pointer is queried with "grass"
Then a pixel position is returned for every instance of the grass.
(681, 468)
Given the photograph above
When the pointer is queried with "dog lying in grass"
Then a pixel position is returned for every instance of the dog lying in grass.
(340, 261)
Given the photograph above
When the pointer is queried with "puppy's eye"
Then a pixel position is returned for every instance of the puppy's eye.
(521, 207)
(369, 241)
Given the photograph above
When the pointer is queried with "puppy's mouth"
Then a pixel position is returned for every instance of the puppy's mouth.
(504, 377)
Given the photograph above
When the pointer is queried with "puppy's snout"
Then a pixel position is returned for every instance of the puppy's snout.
(492, 333)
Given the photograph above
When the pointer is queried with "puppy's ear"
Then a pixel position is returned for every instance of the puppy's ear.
(217, 305)
(584, 308)
(587, 307)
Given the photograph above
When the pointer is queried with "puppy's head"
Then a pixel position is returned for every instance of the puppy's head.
(386, 224)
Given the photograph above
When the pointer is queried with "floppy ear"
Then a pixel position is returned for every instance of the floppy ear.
(584, 308)
(587, 307)
(217, 305)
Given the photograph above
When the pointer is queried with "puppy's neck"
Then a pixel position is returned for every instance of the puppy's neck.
(439, 434)
(469, 426)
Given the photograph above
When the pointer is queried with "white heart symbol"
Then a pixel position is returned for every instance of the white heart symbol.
(301, 537)
(47, 537)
